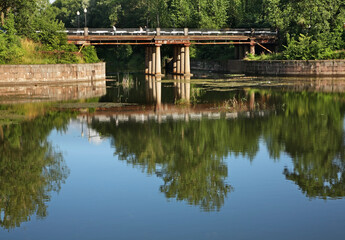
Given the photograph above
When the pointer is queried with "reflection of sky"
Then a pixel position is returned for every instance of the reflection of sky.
(104, 198)
(86, 132)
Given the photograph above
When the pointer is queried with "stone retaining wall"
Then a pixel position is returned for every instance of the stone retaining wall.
(333, 68)
(47, 73)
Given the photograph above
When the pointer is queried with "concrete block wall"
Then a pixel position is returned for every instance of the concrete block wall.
(332, 68)
(46, 73)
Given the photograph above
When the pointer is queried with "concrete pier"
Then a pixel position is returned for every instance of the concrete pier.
(158, 66)
(181, 60)
(187, 61)
(153, 61)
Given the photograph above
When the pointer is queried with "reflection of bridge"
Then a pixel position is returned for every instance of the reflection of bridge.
(245, 41)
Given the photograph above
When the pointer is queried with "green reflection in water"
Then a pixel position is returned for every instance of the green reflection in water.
(188, 155)
(30, 168)
(311, 131)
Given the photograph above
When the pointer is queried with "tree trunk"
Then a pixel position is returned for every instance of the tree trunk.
(2, 19)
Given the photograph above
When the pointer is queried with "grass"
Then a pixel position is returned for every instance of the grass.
(33, 53)
(263, 57)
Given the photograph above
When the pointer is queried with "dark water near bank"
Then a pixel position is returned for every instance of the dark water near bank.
(230, 158)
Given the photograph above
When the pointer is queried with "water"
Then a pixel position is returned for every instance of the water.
(247, 158)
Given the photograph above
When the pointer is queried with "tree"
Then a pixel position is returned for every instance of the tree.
(66, 11)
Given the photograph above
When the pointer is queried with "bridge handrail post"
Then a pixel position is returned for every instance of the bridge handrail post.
(185, 30)
(86, 31)
(158, 31)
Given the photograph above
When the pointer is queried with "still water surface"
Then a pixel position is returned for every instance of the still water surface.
(200, 159)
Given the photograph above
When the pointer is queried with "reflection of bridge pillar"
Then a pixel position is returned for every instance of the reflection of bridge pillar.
(252, 100)
(158, 92)
(183, 91)
(158, 60)
(154, 93)
(183, 58)
(182, 88)
(187, 60)
(187, 89)
(150, 89)
(147, 88)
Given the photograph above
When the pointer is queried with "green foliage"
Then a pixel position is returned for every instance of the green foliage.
(36, 20)
(66, 11)
(10, 47)
(306, 48)
(315, 27)
(307, 29)
(90, 54)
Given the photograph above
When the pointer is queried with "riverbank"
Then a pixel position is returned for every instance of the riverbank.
(312, 68)
(51, 73)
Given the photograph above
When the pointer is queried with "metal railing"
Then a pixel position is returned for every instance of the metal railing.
(174, 31)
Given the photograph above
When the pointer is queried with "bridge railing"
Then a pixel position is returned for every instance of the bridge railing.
(173, 31)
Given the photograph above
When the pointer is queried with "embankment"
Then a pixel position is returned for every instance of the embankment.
(51, 73)
(312, 68)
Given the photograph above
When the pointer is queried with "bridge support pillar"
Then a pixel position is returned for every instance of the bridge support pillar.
(178, 59)
(153, 64)
(187, 60)
(175, 60)
(158, 67)
(183, 58)
(252, 46)
(150, 62)
(147, 60)
(153, 60)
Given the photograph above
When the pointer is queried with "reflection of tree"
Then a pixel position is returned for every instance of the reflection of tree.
(310, 130)
(188, 156)
(30, 169)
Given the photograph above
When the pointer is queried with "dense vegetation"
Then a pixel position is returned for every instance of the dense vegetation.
(30, 33)
(307, 29)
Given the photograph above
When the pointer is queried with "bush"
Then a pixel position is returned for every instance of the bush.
(306, 48)
(90, 54)
(10, 47)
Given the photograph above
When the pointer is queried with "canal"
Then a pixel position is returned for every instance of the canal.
(212, 157)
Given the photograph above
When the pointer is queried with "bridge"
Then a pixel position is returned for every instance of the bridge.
(245, 41)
